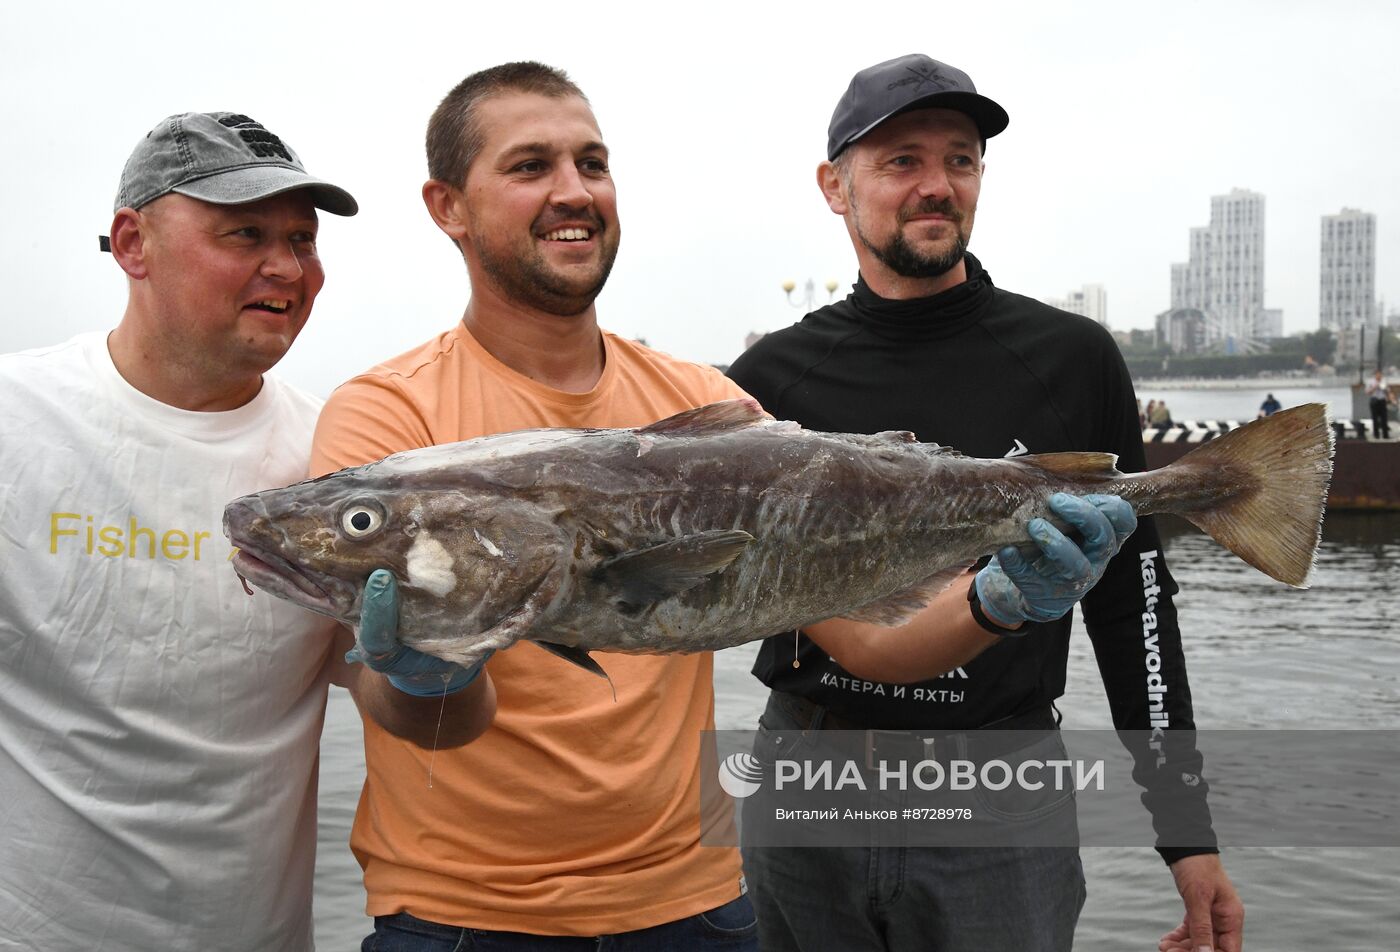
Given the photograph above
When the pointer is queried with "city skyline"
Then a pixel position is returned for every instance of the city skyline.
(1217, 294)
(1216, 299)
(1111, 156)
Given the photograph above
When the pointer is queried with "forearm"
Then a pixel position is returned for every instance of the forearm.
(430, 722)
(943, 636)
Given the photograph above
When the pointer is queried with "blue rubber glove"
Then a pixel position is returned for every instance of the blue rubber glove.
(1012, 590)
(377, 646)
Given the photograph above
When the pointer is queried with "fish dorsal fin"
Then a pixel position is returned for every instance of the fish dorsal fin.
(709, 420)
(896, 609)
(933, 449)
(896, 436)
(645, 576)
(1074, 464)
(575, 656)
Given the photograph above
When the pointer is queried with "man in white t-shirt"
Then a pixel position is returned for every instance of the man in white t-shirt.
(158, 727)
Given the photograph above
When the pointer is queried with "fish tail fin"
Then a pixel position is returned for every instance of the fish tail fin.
(1283, 465)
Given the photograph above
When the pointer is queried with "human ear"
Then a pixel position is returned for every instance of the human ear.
(446, 206)
(829, 180)
(128, 241)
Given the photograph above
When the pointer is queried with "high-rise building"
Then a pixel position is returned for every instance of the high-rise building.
(1183, 329)
(1347, 289)
(1091, 301)
(1223, 276)
(1269, 325)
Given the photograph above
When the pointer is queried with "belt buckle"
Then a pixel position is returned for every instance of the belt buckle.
(871, 747)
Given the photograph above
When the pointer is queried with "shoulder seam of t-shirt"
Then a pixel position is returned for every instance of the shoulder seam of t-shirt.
(36, 353)
(385, 371)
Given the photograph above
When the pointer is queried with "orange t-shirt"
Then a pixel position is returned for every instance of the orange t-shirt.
(574, 814)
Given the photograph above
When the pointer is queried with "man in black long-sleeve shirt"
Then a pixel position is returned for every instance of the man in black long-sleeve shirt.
(927, 343)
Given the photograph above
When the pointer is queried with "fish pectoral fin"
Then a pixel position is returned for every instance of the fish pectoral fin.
(645, 576)
(575, 656)
(709, 420)
(896, 609)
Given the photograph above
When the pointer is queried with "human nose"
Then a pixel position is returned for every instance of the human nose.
(282, 262)
(569, 190)
(934, 183)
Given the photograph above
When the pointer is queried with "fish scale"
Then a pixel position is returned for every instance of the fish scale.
(719, 526)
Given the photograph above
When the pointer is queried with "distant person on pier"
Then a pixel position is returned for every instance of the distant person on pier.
(1160, 417)
(1381, 398)
(1147, 414)
(1270, 406)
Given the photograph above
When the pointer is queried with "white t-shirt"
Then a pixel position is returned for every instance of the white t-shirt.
(159, 728)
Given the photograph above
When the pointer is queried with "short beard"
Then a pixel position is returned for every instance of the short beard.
(529, 281)
(903, 260)
(908, 263)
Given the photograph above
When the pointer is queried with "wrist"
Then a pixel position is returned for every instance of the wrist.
(435, 684)
(989, 621)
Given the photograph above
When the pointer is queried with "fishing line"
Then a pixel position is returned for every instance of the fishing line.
(436, 733)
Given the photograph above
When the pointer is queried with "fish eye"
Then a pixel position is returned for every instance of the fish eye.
(361, 520)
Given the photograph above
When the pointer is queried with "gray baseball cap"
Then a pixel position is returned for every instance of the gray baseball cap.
(909, 82)
(223, 158)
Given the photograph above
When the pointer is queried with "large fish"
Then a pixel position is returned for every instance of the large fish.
(719, 526)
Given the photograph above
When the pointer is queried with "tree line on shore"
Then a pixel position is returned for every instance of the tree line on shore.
(1301, 354)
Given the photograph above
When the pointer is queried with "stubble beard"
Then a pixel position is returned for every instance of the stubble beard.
(529, 280)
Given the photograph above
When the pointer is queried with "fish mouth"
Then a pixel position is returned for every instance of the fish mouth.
(276, 575)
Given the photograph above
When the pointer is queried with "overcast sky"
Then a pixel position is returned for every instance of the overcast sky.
(1125, 120)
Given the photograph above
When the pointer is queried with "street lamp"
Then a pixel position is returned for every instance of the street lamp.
(809, 293)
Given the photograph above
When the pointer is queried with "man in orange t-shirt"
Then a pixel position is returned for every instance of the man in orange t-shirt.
(572, 821)
(571, 814)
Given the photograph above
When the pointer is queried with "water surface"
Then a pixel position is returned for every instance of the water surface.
(1233, 403)
(1261, 656)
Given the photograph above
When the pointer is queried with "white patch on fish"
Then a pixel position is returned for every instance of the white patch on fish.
(486, 544)
(430, 566)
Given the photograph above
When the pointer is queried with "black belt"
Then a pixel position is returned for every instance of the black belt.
(932, 743)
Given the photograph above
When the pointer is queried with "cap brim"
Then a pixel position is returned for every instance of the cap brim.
(985, 113)
(240, 186)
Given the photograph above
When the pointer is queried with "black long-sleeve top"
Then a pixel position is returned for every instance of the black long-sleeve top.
(991, 374)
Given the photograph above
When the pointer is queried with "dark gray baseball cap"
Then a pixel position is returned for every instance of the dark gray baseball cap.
(909, 82)
(220, 157)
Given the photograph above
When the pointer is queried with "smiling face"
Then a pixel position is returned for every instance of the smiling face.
(228, 287)
(908, 191)
(540, 208)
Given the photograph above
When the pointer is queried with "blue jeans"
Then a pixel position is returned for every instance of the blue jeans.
(888, 896)
(730, 927)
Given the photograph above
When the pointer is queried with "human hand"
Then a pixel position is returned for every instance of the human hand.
(1214, 920)
(378, 647)
(1013, 590)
